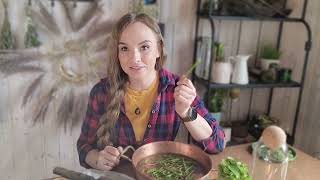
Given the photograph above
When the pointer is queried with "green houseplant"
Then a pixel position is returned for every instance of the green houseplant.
(269, 55)
(215, 98)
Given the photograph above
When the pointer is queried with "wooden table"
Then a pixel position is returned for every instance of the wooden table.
(304, 167)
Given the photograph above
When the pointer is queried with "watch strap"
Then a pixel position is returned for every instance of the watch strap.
(189, 117)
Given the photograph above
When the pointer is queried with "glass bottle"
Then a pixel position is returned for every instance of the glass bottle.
(270, 156)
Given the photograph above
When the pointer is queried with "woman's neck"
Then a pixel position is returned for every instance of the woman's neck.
(139, 85)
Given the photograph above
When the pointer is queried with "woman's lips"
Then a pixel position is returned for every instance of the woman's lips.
(137, 67)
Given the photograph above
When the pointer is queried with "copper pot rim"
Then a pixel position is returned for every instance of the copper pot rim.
(167, 144)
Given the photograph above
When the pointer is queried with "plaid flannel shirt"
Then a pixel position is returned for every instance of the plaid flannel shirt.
(163, 124)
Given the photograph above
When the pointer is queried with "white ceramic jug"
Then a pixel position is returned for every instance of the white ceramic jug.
(240, 69)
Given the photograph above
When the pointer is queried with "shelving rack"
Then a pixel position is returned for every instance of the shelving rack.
(292, 84)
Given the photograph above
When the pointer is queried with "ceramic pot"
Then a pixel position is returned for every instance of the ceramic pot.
(221, 72)
(265, 63)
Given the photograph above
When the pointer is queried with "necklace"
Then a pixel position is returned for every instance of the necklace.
(137, 111)
(139, 102)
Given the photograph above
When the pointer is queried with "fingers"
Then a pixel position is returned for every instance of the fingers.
(108, 158)
(103, 163)
(112, 150)
(186, 82)
(120, 149)
(186, 93)
(185, 90)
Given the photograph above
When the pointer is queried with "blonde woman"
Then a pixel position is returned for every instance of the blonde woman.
(139, 101)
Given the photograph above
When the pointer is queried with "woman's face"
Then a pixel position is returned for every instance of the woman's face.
(138, 50)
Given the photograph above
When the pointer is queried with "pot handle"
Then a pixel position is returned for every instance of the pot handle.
(125, 150)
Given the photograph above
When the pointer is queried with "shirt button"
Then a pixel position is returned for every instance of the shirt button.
(149, 126)
(153, 111)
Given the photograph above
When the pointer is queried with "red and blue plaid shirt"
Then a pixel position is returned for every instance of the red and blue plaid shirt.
(163, 124)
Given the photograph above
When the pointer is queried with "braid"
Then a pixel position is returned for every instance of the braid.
(108, 119)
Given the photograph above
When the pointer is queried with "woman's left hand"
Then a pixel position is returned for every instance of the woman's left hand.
(184, 95)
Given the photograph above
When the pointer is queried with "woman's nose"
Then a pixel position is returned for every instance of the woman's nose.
(136, 55)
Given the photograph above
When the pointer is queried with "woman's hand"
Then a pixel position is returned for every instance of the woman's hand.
(184, 95)
(108, 158)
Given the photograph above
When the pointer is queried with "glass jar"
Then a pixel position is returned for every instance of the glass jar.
(269, 164)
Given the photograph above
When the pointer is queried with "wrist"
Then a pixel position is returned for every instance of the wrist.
(190, 115)
(184, 114)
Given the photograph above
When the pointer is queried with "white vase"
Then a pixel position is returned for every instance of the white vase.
(265, 63)
(221, 72)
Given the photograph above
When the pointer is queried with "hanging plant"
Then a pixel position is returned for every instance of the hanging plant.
(140, 6)
(6, 37)
(31, 36)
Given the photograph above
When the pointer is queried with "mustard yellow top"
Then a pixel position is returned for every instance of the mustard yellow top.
(138, 106)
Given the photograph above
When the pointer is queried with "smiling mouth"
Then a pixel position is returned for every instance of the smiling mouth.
(137, 67)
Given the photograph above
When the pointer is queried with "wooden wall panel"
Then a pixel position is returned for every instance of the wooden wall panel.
(52, 141)
(6, 163)
(285, 100)
(19, 132)
(179, 18)
(308, 136)
(248, 33)
(260, 97)
(31, 152)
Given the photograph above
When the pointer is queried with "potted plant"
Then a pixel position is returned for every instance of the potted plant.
(216, 101)
(269, 55)
(222, 69)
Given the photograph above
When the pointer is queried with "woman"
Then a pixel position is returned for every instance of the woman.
(140, 102)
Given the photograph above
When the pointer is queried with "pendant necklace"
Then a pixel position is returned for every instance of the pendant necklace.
(137, 111)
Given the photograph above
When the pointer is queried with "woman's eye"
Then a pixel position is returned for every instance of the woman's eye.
(145, 47)
(123, 48)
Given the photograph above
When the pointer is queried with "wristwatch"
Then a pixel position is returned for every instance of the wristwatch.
(191, 115)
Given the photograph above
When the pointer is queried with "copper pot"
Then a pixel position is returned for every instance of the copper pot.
(163, 147)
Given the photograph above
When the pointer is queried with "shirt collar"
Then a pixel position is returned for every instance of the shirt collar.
(166, 79)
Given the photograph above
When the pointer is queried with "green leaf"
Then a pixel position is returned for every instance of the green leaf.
(31, 36)
(232, 169)
(6, 37)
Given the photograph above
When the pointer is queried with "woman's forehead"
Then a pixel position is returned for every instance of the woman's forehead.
(136, 33)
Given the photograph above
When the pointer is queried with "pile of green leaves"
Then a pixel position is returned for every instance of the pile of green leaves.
(171, 167)
(232, 169)
(277, 155)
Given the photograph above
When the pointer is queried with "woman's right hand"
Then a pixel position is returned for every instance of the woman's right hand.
(108, 158)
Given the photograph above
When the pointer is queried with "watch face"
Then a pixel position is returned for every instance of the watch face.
(193, 114)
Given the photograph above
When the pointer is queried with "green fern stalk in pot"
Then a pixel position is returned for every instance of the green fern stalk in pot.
(7, 40)
(269, 55)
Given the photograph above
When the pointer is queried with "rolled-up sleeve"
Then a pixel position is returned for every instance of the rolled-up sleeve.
(87, 139)
(215, 143)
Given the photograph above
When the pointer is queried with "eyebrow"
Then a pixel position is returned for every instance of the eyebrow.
(122, 43)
